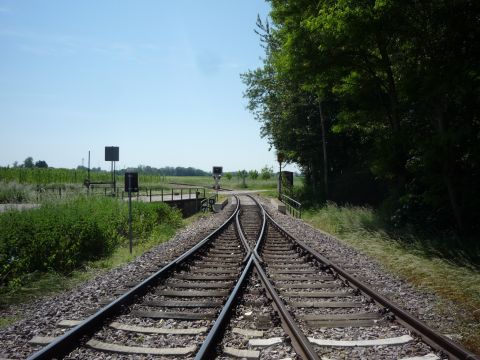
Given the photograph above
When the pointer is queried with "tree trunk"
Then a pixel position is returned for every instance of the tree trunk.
(324, 146)
(446, 169)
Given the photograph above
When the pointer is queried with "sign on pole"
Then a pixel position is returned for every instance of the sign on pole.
(217, 174)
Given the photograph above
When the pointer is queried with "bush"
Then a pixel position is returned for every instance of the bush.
(62, 236)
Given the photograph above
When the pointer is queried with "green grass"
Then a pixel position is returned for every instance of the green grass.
(413, 257)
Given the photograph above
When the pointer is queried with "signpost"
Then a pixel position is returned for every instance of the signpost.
(131, 185)
(217, 174)
(112, 154)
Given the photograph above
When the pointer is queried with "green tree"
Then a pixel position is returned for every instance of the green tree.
(266, 173)
(253, 174)
(388, 89)
(41, 164)
(28, 162)
(242, 175)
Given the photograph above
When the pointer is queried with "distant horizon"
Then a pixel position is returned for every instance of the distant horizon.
(287, 167)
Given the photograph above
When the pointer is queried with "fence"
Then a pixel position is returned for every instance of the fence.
(144, 194)
(294, 208)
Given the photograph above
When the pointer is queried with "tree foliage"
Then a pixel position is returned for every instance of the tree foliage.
(28, 162)
(376, 101)
(41, 164)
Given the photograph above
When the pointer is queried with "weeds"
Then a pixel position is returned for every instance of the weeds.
(14, 193)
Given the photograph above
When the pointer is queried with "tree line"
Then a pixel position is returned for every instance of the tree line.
(28, 163)
(168, 171)
(377, 102)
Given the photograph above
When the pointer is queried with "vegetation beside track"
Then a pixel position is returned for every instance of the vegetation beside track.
(39, 247)
(434, 262)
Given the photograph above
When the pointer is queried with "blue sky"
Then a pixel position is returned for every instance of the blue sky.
(160, 79)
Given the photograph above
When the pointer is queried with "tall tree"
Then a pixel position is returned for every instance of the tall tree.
(398, 84)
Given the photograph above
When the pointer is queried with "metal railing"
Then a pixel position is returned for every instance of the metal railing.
(294, 207)
(148, 194)
(162, 195)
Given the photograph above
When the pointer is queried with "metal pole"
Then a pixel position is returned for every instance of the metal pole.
(162, 194)
(130, 211)
(280, 182)
(150, 194)
(181, 194)
(88, 165)
(88, 187)
(114, 179)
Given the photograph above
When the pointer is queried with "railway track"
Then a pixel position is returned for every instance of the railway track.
(250, 290)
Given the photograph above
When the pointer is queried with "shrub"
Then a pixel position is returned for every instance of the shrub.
(62, 236)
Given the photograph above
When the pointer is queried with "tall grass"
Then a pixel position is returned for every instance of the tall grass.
(50, 175)
(16, 193)
(420, 258)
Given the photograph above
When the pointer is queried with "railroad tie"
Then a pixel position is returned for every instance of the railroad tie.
(244, 354)
(103, 346)
(178, 315)
(354, 343)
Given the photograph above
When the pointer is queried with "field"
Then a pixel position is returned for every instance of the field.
(23, 185)
(58, 177)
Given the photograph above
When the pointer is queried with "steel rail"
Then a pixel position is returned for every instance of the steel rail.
(262, 231)
(207, 350)
(76, 336)
(430, 336)
(242, 237)
(300, 343)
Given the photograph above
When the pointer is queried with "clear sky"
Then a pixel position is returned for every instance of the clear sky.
(158, 78)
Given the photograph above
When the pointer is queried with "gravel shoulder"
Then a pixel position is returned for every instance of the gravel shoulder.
(40, 317)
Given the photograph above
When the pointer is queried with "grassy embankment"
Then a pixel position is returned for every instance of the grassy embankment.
(428, 261)
(52, 248)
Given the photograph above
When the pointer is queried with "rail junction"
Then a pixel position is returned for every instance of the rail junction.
(246, 286)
